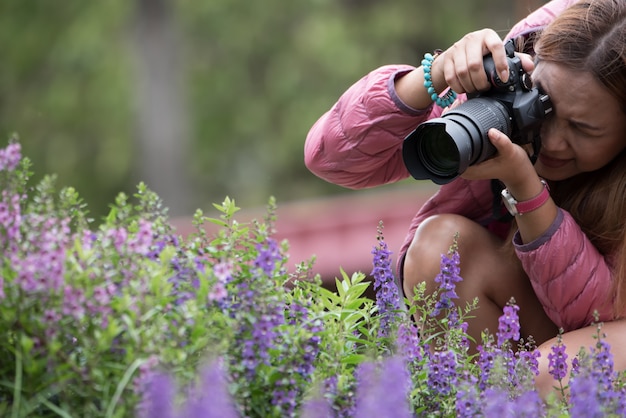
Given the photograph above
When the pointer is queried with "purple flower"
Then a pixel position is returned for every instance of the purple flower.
(486, 361)
(557, 358)
(496, 403)
(73, 303)
(316, 408)
(529, 404)
(10, 156)
(530, 360)
(602, 364)
(383, 393)
(141, 242)
(158, 398)
(218, 292)
(508, 325)
(259, 312)
(387, 296)
(576, 366)
(408, 341)
(211, 399)
(268, 257)
(39, 258)
(298, 315)
(583, 397)
(447, 279)
(442, 375)
(119, 237)
(223, 272)
(468, 402)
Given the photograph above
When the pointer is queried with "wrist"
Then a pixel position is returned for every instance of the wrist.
(442, 97)
(519, 203)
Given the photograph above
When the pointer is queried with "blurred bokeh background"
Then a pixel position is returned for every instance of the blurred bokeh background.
(202, 98)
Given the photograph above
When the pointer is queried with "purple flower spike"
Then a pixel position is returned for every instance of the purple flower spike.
(387, 295)
(447, 279)
(442, 373)
(211, 399)
(583, 397)
(557, 365)
(316, 408)
(409, 342)
(158, 401)
(383, 393)
(508, 325)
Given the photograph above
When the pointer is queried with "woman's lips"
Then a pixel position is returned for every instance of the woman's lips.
(552, 162)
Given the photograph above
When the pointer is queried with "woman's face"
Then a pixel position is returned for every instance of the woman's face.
(586, 128)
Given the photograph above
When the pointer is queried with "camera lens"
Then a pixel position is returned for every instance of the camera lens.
(443, 148)
(439, 152)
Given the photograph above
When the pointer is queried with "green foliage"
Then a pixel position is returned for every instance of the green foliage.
(93, 317)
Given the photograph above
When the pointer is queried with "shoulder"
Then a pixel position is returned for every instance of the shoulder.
(540, 18)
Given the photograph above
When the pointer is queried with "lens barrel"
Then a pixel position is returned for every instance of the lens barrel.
(443, 148)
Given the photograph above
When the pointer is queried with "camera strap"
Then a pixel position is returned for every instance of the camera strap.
(499, 212)
(536, 148)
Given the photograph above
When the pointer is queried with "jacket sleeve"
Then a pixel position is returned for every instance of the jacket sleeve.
(540, 18)
(570, 277)
(358, 142)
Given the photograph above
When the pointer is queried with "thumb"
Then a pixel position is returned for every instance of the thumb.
(498, 139)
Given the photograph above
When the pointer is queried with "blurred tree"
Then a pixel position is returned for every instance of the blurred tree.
(80, 83)
(64, 89)
(162, 136)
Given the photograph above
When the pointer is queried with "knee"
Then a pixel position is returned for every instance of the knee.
(433, 238)
(438, 233)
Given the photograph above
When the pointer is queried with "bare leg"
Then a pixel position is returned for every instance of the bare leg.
(614, 333)
(490, 271)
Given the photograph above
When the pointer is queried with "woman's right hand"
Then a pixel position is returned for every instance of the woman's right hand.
(461, 67)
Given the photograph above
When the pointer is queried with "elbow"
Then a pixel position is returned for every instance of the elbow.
(315, 158)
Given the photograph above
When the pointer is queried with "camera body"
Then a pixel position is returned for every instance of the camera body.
(443, 148)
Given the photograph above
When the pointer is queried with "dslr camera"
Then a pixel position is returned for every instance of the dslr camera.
(443, 148)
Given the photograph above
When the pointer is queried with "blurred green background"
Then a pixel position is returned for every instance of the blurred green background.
(202, 98)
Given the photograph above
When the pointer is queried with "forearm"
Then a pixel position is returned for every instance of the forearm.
(411, 89)
(358, 142)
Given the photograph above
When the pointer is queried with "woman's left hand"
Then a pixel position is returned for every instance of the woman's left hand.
(511, 163)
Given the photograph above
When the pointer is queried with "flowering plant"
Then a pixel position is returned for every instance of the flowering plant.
(128, 319)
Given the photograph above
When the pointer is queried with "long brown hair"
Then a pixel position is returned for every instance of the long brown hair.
(590, 36)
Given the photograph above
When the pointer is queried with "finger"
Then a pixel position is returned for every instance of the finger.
(452, 67)
(528, 64)
(471, 70)
(475, 52)
(494, 45)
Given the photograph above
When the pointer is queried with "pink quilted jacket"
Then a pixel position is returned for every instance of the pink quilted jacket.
(358, 144)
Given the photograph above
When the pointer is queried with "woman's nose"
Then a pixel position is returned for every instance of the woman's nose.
(553, 136)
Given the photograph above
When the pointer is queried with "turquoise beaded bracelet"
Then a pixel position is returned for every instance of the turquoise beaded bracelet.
(441, 101)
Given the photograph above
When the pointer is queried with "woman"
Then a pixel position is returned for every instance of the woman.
(563, 260)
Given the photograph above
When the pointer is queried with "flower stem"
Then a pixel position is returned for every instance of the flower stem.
(17, 389)
(122, 385)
